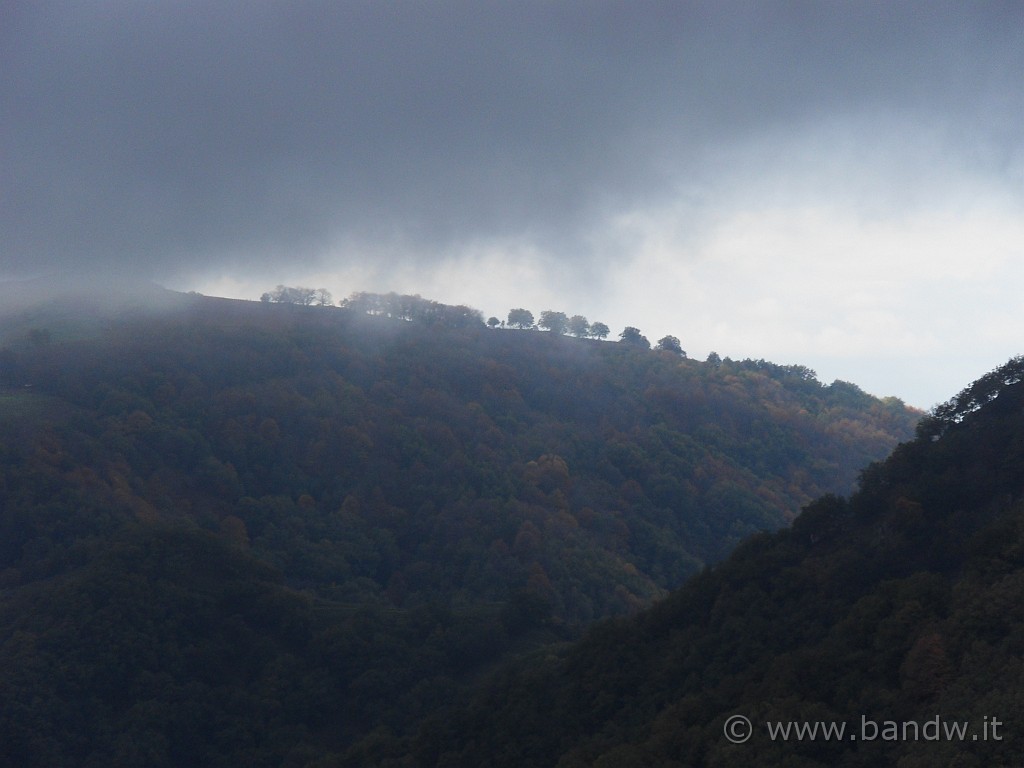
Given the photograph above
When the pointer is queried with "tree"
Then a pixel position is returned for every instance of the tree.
(631, 335)
(304, 296)
(458, 316)
(493, 322)
(714, 359)
(670, 344)
(286, 294)
(413, 309)
(324, 297)
(578, 326)
(555, 322)
(279, 295)
(520, 318)
(599, 331)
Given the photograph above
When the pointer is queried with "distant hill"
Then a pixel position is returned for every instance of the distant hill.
(235, 531)
(897, 615)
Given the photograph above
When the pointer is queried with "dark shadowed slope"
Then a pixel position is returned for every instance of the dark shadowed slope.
(893, 611)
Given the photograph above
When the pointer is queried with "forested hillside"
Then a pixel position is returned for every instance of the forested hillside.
(897, 614)
(255, 533)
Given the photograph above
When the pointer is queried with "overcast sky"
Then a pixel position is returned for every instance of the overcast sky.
(834, 184)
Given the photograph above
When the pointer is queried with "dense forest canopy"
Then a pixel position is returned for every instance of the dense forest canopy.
(894, 614)
(271, 533)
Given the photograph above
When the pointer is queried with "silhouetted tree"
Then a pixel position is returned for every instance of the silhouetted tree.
(413, 308)
(670, 344)
(493, 322)
(555, 322)
(578, 326)
(286, 294)
(520, 318)
(599, 331)
(631, 335)
(301, 295)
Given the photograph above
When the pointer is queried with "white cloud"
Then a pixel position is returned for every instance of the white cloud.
(922, 291)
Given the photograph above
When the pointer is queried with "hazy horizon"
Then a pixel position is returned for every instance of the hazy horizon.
(835, 185)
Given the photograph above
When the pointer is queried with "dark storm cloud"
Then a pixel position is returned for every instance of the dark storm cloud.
(163, 137)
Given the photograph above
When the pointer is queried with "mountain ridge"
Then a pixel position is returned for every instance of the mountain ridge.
(417, 502)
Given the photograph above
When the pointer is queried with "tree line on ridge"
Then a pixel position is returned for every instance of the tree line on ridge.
(416, 308)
